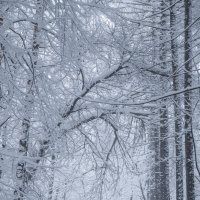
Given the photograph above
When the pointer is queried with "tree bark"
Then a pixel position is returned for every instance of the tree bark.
(3, 6)
(164, 132)
(154, 139)
(23, 176)
(177, 105)
(154, 180)
(189, 151)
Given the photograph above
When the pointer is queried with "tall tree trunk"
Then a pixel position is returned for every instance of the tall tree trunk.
(154, 139)
(189, 151)
(1, 92)
(23, 176)
(177, 104)
(164, 146)
(154, 180)
(4, 6)
(164, 153)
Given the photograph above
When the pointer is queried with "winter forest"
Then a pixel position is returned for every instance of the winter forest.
(99, 99)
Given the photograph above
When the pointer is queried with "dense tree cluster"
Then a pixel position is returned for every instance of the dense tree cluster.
(99, 99)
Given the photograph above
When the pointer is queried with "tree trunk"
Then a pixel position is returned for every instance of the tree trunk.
(3, 8)
(23, 176)
(1, 93)
(154, 180)
(164, 154)
(177, 105)
(164, 146)
(154, 139)
(189, 151)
